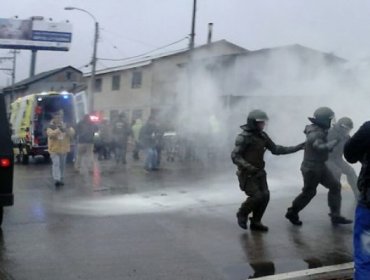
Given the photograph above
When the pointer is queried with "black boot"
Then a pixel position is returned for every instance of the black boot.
(339, 220)
(293, 217)
(242, 220)
(258, 226)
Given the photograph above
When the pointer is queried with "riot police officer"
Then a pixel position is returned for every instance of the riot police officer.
(250, 146)
(336, 163)
(315, 171)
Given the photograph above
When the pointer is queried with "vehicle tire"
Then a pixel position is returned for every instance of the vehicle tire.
(47, 158)
(1, 215)
(24, 159)
(18, 159)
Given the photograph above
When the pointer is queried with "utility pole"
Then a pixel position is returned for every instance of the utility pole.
(189, 147)
(33, 63)
(192, 33)
(93, 60)
(93, 67)
(13, 75)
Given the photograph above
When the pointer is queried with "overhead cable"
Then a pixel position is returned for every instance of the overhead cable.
(146, 53)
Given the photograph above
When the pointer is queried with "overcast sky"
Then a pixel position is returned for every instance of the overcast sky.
(131, 27)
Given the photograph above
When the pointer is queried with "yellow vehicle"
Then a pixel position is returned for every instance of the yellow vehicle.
(30, 116)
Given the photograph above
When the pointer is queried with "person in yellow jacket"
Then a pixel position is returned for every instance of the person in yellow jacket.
(136, 128)
(59, 145)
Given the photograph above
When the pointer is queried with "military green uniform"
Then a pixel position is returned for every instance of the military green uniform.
(250, 146)
(315, 171)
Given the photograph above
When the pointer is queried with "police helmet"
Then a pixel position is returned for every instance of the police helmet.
(256, 116)
(323, 117)
(345, 122)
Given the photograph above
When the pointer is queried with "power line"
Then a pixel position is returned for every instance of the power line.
(107, 31)
(83, 66)
(102, 64)
(143, 54)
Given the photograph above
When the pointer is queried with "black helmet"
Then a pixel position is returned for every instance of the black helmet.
(256, 116)
(345, 122)
(322, 117)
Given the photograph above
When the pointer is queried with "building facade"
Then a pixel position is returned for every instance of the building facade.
(151, 86)
(66, 78)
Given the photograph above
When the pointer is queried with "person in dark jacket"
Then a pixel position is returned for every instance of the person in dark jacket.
(85, 131)
(315, 171)
(336, 163)
(357, 150)
(150, 140)
(105, 140)
(250, 147)
(121, 131)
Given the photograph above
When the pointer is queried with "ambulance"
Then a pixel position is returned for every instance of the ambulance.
(30, 117)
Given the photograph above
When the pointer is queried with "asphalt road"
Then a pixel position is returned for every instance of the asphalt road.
(120, 222)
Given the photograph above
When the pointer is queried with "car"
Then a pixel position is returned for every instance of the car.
(6, 161)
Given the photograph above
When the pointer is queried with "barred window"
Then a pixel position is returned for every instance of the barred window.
(116, 80)
(98, 85)
(137, 77)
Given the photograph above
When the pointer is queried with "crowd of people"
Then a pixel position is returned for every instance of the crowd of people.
(109, 139)
(114, 136)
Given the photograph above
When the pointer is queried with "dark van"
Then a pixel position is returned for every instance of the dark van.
(6, 161)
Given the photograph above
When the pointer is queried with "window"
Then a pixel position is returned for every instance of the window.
(98, 85)
(116, 79)
(137, 114)
(69, 76)
(136, 79)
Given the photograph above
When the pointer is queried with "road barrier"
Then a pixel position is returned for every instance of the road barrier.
(333, 272)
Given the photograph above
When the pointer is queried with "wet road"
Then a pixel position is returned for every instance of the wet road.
(177, 223)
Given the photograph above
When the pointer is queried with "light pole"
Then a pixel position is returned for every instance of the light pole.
(192, 33)
(93, 60)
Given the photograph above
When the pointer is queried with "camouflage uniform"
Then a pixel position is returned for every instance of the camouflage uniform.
(250, 146)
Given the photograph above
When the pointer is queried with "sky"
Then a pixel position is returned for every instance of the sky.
(133, 27)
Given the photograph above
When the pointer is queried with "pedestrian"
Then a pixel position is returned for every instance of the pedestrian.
(59, 144)
(357, 150)
(120, 133)
(250, 147)
(136, 127)
(85, 131)
(105, 140)
(315, 171)
(336, 163)
(149, 139)
(160, 142)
